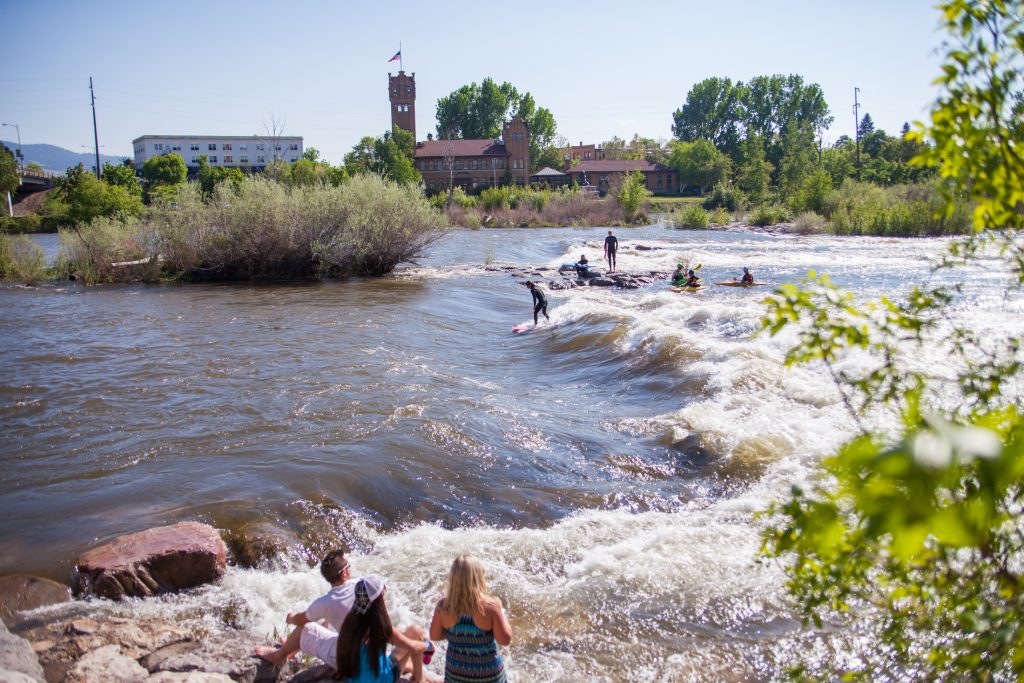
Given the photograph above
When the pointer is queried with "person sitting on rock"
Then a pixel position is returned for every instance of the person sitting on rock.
(331, 607)
(679, 277)
(582, 266)
(359, 651)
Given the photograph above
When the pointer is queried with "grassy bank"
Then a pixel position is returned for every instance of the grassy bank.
(515, 207)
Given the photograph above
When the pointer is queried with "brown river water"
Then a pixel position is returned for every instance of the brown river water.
(605, 467)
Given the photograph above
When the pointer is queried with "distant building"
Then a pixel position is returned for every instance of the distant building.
(582, 152)
(550, 177)
(247, 152)
(475, 164)
(607, 173)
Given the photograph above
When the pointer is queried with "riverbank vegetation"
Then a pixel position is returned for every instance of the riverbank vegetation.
(254, 228)
(917, 535)
(512, 206)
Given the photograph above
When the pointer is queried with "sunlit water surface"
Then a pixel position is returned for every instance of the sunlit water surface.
(606, 467)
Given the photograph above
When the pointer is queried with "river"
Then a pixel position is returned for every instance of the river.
(605, 467)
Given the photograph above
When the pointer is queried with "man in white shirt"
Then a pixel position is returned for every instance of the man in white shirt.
(332, 607)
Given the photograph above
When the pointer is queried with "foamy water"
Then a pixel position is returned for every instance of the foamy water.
(607, 467)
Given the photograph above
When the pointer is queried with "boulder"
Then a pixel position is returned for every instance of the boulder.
(225, 654)
(18, 661)
(189, 677)
(22, 592)
(161, 560)
(106, 664)
(601, 282)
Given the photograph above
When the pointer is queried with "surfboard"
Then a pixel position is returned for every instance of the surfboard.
(522, 328)
(737, 283)
(689, 289)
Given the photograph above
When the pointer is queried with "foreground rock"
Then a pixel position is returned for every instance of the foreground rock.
(84, 649)
(18, 661)
(22, 592)
(161, 560)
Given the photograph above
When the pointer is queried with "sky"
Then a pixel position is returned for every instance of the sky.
(604, 69)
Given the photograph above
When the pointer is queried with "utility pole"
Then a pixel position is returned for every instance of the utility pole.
(95, 134)
(856, 126)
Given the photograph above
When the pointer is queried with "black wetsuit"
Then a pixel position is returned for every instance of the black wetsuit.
(540, 303)
(611, 245)
(582, 267)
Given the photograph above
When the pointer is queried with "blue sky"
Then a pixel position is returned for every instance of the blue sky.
(603, 69)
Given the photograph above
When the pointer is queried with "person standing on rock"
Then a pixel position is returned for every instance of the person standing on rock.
(540, 302)
(611, 245)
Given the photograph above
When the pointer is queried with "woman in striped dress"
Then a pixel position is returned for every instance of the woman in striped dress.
(474, 624)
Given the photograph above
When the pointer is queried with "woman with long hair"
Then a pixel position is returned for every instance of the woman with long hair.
(359, 651)
(474, 623)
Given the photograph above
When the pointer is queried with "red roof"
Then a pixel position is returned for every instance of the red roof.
(617, 166)
(462, 148)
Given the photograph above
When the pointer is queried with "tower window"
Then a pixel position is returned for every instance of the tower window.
(408, 90)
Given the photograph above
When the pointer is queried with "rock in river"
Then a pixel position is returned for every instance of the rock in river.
(161, 560)
(22, 592)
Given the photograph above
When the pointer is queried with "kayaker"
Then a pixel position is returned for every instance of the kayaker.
(678, 277)
(748, 277)
(692, 280)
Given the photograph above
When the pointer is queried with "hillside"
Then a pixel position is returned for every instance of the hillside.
(58, 159)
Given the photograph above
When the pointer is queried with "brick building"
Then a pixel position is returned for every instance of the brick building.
(605, 174)
(470, 164)
(583, 152)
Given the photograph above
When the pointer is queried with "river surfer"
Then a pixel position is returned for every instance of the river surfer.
(540, 302)
(611, 245)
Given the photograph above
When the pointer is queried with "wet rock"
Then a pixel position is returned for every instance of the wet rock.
(161, 560)
(642, 247)
(255, 545)
(601, 282)
(189, 677)
(106, 664)
(18, 661)
(22, 592)
(314, 674)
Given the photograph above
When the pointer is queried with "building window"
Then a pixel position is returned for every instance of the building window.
(176, 148)
(195, 160)
(243, 160)
(213, 159)
(394, 91)
(277, 148)
(659, 182)
(194, 147)
(294, 158)
(259, 148)
(158, 146)
(229, 159)
(261, 160)
(294, 146)
(211, 146)
(242, 148)
(408, 90)
(226, 146)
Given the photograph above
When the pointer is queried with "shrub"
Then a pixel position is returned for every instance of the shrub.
(694, 217)
(30, 222)
(721, 217)
(809, 223)
(860, 208)
(725, 196)
(767, 214)
(632, 194)
(21, 259)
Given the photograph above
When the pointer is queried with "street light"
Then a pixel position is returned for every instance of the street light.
(18, 130)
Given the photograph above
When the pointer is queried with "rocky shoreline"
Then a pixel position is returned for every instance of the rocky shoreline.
(48, 637)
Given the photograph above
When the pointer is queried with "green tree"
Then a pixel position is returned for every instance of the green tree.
(9, 178)
(798, 157)
(632, 194)
(754, 175)
(167, 170)
(122, 176)
(475, 112)
(712, 112)
(699, 164)
(921, 532)
(389, 155)
(83, 196)
(550, 156)
(210, 177)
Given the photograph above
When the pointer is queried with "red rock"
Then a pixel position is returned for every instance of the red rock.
(23, 592)
(161, 560)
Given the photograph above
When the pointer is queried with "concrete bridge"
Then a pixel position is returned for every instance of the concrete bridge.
(35, 181)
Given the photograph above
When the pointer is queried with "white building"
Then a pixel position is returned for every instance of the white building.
(247, 152)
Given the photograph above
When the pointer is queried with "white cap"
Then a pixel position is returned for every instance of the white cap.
(368, 589)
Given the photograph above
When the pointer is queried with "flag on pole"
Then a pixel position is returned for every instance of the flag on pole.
(398, 55)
